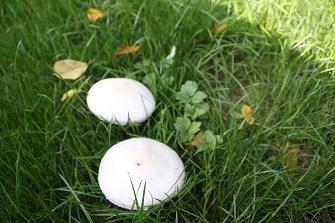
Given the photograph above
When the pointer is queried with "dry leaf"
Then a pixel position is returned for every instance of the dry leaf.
(94, 14)
(219, 28)
(123, 50)
(69, 94)
(291, 155)
(246, 113)
(196, 139)
(214, 108)
(69, 69)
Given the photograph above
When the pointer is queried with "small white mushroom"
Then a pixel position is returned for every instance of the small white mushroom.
(121, 100)
(140, 166)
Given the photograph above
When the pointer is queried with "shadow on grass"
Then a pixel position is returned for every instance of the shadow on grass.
(242, 180)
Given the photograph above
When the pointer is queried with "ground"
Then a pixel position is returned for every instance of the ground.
(275, 56)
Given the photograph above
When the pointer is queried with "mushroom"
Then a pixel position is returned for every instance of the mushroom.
(140, 170)
(120, 100)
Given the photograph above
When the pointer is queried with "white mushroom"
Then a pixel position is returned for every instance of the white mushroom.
(140, 166)
(119, 100)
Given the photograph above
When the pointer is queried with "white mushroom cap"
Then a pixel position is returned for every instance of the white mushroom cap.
(129, 165)
(119, 100)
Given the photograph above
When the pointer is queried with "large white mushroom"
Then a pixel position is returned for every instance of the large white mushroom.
(140, 166)
(121, 100)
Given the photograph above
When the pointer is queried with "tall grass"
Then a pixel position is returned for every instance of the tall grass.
(276, 56)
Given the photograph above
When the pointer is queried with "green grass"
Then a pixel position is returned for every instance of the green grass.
(277, 56)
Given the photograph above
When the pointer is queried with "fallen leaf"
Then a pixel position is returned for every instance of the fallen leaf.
(219, 28)
(123, 50)
(291, 155)
(69, 69)
(94, 14)
(246, 113)
(195, 141)
(214, 108)
(69, 94)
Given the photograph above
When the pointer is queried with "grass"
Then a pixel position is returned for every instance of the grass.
(277, 56)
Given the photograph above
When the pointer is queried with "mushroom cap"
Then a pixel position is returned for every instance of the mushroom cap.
(119, 100)
(137, 166)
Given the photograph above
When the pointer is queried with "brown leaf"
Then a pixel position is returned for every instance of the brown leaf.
(291, 156)
(123, 50)
(69, 94)
(69, 69)
(219, 28)
(246, 113)
(94, 14)
(196, 139)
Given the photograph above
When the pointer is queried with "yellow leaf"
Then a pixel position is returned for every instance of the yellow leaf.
(246, 113)
(123, 50)
(219, 28)
(69, 94)
(196, 139)
(69, 69)
(291, 155)
(214, 108)
(94, 14)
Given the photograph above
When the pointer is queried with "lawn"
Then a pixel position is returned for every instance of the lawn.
(277, 57)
